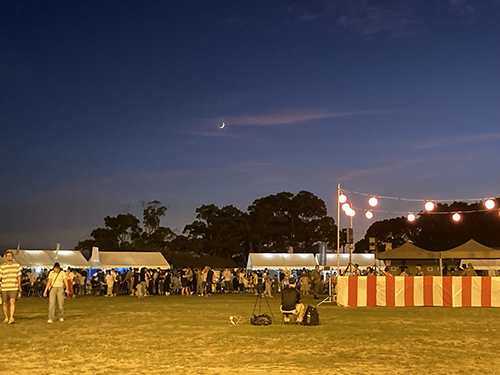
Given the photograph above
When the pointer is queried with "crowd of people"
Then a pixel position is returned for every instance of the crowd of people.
(190, 281)
(404, 270)
(187, 281)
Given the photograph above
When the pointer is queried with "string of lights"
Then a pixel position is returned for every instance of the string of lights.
(411, 199)
(429, 205)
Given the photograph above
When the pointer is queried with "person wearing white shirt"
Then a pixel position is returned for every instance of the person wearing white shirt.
(110, 281)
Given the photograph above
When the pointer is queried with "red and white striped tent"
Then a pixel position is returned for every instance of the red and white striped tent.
(446, 291)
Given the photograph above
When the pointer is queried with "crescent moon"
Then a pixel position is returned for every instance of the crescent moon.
(223, 125)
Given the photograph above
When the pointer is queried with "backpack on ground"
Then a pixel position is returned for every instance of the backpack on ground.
(311, 317)
(261, 320)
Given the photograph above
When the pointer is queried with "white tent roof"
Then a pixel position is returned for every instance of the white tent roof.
(280, 260)
(47, 258)
(483, 264)
(363, 260)
(135, 259)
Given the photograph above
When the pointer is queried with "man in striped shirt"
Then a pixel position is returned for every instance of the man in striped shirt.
(10, 275)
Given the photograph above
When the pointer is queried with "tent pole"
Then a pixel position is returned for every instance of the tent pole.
(440, 263)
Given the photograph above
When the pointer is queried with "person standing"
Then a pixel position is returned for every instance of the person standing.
(57, 280)
(110, 282)
(143, 282)
(71, 279)
(210, 280)
(316, 281)
(420, 271)
(228, 280)
(10, 275)
(267, 283)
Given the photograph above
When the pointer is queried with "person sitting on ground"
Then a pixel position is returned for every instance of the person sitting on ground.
(290, 302)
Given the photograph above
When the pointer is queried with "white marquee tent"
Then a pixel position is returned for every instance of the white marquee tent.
(280, 261)
(363, 260)
(134, 259)
(47, 258)
(306, 260)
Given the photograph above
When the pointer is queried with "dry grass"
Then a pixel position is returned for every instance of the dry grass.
(162, 335)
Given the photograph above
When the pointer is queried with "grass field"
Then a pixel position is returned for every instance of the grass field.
(163, 335)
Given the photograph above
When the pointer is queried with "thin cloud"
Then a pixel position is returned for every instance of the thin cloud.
(364, 17)
(357, 173)
(287, 117)
(458, 140)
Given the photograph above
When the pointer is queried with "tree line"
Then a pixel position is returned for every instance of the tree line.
(275, 223)
(284, 221)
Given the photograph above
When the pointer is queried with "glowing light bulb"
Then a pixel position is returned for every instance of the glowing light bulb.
(373, 201)
(345, 207)
(456, 217)
(369, 215)
(350, 212)
(429, 206)
(342, 198)
(411, 217)
(489, 204)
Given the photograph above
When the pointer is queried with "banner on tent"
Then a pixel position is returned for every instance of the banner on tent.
(446, 291)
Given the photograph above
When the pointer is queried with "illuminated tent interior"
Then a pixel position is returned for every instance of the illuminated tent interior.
(134, 259)
(280, 261)
(47, 258)
(362, 260)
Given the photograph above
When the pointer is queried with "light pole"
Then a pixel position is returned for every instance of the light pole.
(338, 229)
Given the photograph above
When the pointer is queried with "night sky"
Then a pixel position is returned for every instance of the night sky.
(104, 104)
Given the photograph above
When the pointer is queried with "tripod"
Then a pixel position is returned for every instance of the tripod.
(331, 293)
(258, 301)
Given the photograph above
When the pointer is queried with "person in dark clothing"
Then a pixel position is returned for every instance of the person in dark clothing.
(290, 302)
(210, 280)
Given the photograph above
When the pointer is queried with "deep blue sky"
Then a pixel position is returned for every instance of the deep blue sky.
(104, 104)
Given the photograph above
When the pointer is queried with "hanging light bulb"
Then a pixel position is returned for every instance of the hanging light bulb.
(489, 204)
(456, 217)
(411, 217)
(350, 212)
(373, 201)
(342, 198)
(345, 207)
(369, 215)
(429, 206)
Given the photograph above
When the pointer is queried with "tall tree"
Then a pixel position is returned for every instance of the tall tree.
(218, 231)
(123, 232)
(154, 236)
(283, 220)
(120, 233)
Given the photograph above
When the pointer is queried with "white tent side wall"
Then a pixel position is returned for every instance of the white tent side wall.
(363, 260)
(124, 259)
(483, 264)
(280, 261)
(47, 258)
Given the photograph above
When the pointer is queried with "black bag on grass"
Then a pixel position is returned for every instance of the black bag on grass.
(261, 320)
(311, 317)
